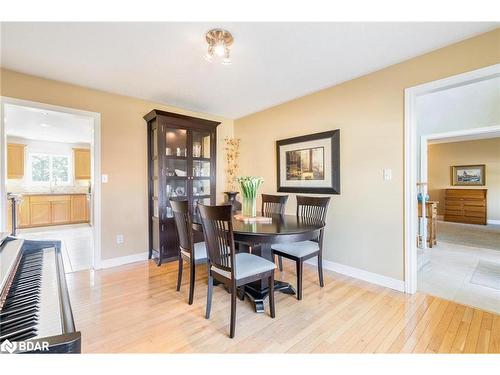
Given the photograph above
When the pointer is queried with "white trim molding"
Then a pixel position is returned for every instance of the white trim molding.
(493, 222)
(120, 261)
(360, 274)
(410, 155)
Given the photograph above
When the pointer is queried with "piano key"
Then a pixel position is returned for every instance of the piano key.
(15, 326)
(19, 312)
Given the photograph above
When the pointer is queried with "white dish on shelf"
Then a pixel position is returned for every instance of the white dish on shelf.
(180, 172)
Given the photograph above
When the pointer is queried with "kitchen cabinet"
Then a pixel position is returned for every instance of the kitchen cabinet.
(79, 209)
(15, 160)
(81, 158)
(23, 215)
(40, 211)
(181, 166)
(52, 209)
(60, 210)
(9, 216)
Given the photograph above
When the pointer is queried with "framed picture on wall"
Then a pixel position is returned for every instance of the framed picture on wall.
(468, 175)
(309, 163)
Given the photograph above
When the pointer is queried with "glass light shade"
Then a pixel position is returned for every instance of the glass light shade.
(220, 49)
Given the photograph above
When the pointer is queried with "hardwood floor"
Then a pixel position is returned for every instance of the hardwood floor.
(135, 308)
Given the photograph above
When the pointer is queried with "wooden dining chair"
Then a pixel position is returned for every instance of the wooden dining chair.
(227, 267)
(313, 209)
(274, 204)
(192, 253)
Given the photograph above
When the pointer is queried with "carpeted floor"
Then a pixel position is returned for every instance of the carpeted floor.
(483, 236)
(487, 274)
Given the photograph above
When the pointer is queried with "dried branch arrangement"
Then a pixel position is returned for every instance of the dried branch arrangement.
(232, 149)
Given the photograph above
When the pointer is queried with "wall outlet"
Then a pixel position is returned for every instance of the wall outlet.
(387, 174)
(104, 178)
(119, 239)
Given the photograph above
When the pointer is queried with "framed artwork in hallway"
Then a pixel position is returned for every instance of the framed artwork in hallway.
(468, 175)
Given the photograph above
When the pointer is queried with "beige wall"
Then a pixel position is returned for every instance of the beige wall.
(123, 155)
(442, 156)
(365, 222)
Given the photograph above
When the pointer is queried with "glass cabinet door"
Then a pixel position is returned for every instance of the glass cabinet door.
(175, 168)
(154, 177)
(201, 173)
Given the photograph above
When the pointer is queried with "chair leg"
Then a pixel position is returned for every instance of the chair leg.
(280, 263)
(320, 270)
(233, 311)
(300, 267)
(209, 296)
(179, 274)
(192, 275)
(271, 295)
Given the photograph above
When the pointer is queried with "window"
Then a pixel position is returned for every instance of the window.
(47, 168)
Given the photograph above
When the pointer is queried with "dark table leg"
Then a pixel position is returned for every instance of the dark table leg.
(259, 290)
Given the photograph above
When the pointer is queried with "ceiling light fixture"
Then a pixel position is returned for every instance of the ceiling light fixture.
(219, 41)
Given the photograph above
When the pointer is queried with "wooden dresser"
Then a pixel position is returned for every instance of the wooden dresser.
(465, 206)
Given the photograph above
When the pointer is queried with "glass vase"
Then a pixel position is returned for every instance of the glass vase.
(249, 207)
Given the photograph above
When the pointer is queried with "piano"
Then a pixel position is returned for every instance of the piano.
(35, 310)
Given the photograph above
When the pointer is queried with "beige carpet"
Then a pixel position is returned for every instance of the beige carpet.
(487, 274)
(484, 236)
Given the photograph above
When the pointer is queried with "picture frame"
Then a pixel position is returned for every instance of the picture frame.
(468, 175)
(309, 163)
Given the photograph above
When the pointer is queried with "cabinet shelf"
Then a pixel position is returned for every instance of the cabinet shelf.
(176, 177)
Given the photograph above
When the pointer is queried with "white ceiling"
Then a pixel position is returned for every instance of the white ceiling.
(272, 62)
(45, 125)
(465, 138)
(474, 105)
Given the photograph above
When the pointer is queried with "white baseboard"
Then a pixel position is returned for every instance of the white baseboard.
(119, 261)
(357, 273)
(495, 222)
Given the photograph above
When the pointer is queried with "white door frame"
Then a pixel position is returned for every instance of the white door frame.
(410, 139)
(95, 167)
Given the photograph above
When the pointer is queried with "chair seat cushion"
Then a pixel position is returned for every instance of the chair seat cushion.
(297, 249)
(200, 251)
(247, 265)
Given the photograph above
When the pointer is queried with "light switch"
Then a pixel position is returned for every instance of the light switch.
(104, 178)
(387, 174)
(119, 238)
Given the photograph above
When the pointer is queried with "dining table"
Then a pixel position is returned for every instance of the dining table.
(258, 237)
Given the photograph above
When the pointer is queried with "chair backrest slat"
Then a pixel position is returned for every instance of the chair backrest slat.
(273, 204)
(312, 208)
(183, 222)
(219, 237)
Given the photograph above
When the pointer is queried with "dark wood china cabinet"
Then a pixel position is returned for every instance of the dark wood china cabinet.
(181, 165)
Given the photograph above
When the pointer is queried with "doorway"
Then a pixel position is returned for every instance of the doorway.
(416, 148)
(461, 257)
(49, 173)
